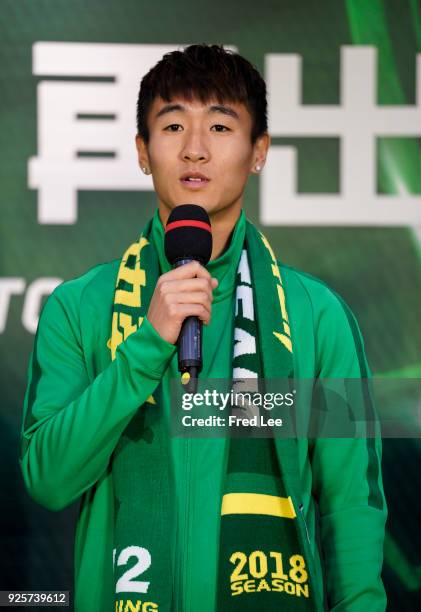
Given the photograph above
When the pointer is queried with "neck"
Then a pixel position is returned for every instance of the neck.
(222, 228)
(223, 223)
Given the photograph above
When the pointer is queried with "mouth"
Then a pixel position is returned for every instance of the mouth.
(194, 180)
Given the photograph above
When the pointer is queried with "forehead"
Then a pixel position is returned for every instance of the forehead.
(196, 108)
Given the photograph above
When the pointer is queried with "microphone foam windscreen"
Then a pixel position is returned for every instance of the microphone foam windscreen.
(188, 234)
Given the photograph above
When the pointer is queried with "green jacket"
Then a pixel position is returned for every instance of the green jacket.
(78, 403)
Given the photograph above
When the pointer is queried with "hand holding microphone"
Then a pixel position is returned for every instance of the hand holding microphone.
(182, 298)
(182, 292)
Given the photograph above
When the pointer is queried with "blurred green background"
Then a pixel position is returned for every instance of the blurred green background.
(377, 270)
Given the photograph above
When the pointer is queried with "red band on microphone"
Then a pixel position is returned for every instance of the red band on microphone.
(188, 223)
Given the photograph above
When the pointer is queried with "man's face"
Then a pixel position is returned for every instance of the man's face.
(200, 154)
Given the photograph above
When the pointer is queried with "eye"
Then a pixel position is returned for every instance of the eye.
(174, 127)
(220, 128)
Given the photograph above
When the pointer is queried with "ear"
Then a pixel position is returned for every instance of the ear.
(142, 155)
(260, 151)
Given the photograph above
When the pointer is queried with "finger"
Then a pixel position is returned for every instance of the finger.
(195, 310)
(187, 285)
(190, 270)
(194, 297)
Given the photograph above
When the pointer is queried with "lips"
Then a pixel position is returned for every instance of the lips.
(194, 179)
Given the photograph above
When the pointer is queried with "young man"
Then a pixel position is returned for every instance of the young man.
(205, 524)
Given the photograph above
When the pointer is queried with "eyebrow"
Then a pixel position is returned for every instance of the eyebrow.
(169, 108)
(215, 108)
(225, 110)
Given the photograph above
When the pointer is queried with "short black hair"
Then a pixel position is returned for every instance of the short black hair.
(204, 72)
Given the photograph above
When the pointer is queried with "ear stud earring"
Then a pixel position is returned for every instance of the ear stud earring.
(258, 168)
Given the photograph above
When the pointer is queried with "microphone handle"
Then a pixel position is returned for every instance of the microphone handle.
(190, 340)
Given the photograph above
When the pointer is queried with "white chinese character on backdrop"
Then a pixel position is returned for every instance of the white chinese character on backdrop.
(357, 121)
(76, 118)
(98, 118)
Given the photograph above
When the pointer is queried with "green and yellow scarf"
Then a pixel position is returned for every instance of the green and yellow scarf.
(265, 560)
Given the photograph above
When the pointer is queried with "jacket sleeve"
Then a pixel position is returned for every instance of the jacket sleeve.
(347, 479)
(70, 424)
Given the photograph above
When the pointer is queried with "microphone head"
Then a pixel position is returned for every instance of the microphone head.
(188, 234)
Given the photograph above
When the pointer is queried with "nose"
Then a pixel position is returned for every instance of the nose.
(194, 147)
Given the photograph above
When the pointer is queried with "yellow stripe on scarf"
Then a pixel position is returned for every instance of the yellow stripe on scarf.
(257, 503)
(285, 337)
(137, 278)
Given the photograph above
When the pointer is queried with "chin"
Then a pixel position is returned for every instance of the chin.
(194, 199)
(211, 207)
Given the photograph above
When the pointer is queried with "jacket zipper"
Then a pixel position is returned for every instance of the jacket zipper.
(185, 594)
(301, 508)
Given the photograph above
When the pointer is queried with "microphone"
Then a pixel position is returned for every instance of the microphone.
(188, 237)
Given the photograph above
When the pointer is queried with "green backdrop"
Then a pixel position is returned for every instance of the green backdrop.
(376, 269)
